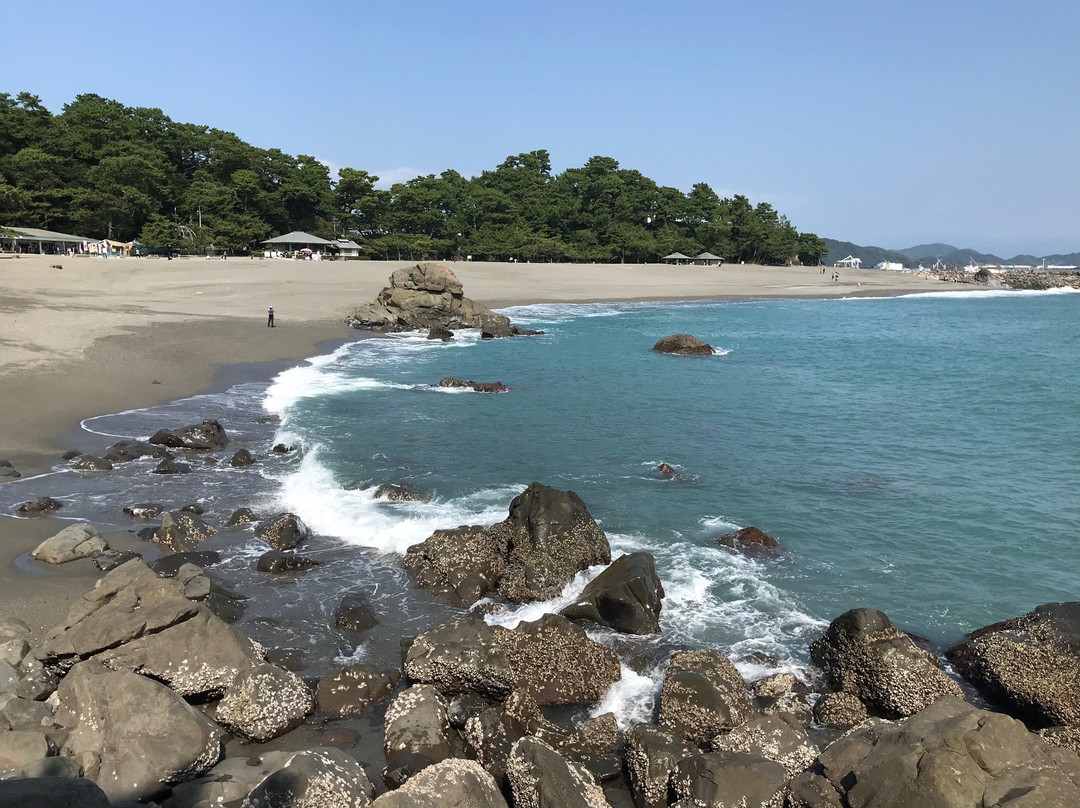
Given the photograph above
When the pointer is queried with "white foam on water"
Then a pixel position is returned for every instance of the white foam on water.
(632, 698)
(357, 517)
(976, 294)
(718, 523)
(358, 655)
(562, 312)
(512, 616)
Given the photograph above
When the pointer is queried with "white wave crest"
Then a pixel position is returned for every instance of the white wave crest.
(976, 294)
(632, 698)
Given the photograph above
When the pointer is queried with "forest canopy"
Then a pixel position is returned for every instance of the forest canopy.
(102, 169)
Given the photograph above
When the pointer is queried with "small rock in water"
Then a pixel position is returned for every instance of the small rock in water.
(281, 448)
(195, 508)
(111, 559)
(241, 516)
(277, 561)
(401, 492)
(144, 510)
(683, 345)
(41, 506)
(748, 538)
(353, 614)
(168, 466)
(241, 459)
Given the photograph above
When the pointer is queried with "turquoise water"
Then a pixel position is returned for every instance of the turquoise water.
(918, 454)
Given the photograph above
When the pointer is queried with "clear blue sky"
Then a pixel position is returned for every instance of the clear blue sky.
(880, 123)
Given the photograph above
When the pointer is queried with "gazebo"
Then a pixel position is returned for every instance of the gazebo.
(676, 258)
(707, 259)
(851, 262)
(295, 241)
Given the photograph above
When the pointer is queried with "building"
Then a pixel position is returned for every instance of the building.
(295, 242)
(851, 262)
(42, 242)
(346, 248)
(676, 258)
(894, 265)
(707, 259)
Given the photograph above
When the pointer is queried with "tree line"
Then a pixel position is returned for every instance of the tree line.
(102, 169)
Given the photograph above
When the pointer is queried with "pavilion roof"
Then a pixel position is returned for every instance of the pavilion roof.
(297, 237)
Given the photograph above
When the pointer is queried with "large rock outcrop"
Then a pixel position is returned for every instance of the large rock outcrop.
(627, 596)
(683, 345)
(422, 297)
(209, 436)
(947, 756)
(863, 653)
(1030, 664)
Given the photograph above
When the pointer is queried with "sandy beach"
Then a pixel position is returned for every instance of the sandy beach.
(98, 336)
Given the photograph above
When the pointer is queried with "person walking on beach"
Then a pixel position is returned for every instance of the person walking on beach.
(270, 317)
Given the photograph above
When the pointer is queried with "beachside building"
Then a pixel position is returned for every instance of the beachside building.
(33, 241)
(295, 242)
(676, 258)
(894, 265)
(346, 248)
(707, 259)
(851, 262)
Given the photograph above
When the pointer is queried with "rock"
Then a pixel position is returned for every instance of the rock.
(125, 451)
(863, 653)
(497, 327)
(451, 783)
(199, 657)
(440, 332)
(1030, 664)
(264, 702)
(351, 690)
(401, 492)
(416, 733)
(276, 561)
(1065, 737)
(181, 531)
(73, 542)
(731, 779)
(283, 532)
(948, 755)
(683, 345)
(193, 507)
(91, 463)
(779, 738)
(539, 777)
(27, 714)
(322, 777)
(748, 538)
(461, 656)
(627, 596)
(652, 757)
(462, 564)
(353, 614)
(703, 694)
(229, 782)
(420, 298)
(209, 436)
(8, 472)
(51, 792)
(842, 710)
(550, 537)
(13, 651)
(133, 735)
(12, 628)
(281, 449)
(241, 516)
(667, 470)
(783, 693)
(597, 736)
(144, 510)
(20, 747)
(9, 677)
(170, 466)
(42, 506)
(36, 684)
(70, 454)
(490, 736)
(241, 459)
(476, 387)
(168, 566)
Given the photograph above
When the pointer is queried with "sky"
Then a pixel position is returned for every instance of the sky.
(882, 123)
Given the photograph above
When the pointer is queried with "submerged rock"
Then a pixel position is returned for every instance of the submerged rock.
(401, 492)
(683, 345)
(476, 387)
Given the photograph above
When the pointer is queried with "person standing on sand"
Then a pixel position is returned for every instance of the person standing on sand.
(270, 317)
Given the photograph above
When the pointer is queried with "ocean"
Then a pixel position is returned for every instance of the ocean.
(915, 454)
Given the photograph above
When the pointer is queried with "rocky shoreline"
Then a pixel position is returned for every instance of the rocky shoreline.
(145, 694)
(1038, 281)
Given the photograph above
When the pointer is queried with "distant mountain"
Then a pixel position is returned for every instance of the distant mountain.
(928, 251)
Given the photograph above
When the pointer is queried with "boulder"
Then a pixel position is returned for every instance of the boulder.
(863, 653)
(263, 702)
(550, 537)
(125, 451)
(416, 733)
(51, 792)
(476, 387)
(703, 694)
(283, 532)
(627, 596)
(13, 651)
(748, 538)
(683, 345)
(276, 561)
(322, 777)
(462, 564)
(182, 531)
(229, 782)
(111, 559)
(193, 507)
(780, 738)
(841, 710)
(74, 541)
(241, 459)
(353, 614)
(241, 516)
(401, 492)
(351, 690)
(731, 779)
(169, 566)
(209, 436)
(461, 656)
(1030, 664)
(171, 466)
(281, 449)
(27, 714)
(42, 506)
(144, 510)
(540, 776)
(8, 472)
(948, 755)
(440, 332)
(451, 783)
(91, 463)
(652, 757)
(490, 736)
(133, 735)
(18, 747)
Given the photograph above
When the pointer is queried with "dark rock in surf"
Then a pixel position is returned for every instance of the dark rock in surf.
(277, 561)
(168, 466)
(683, 345)
(193, 507)
(281, 449)
(1029, 664)
(627, 596)
(476, 387)
(144, 510)
(91, 463)
(748, 539)
(863, 653)
(401, 492)
(353, 614)
(440, 332)
(42, 506)
(205, 437)
(111, 559)
(283, 532)
(462, 564)
(181, 531)
(351, 690)
(241, 516)
(125, 451)
(167, 566)
(242, 459)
